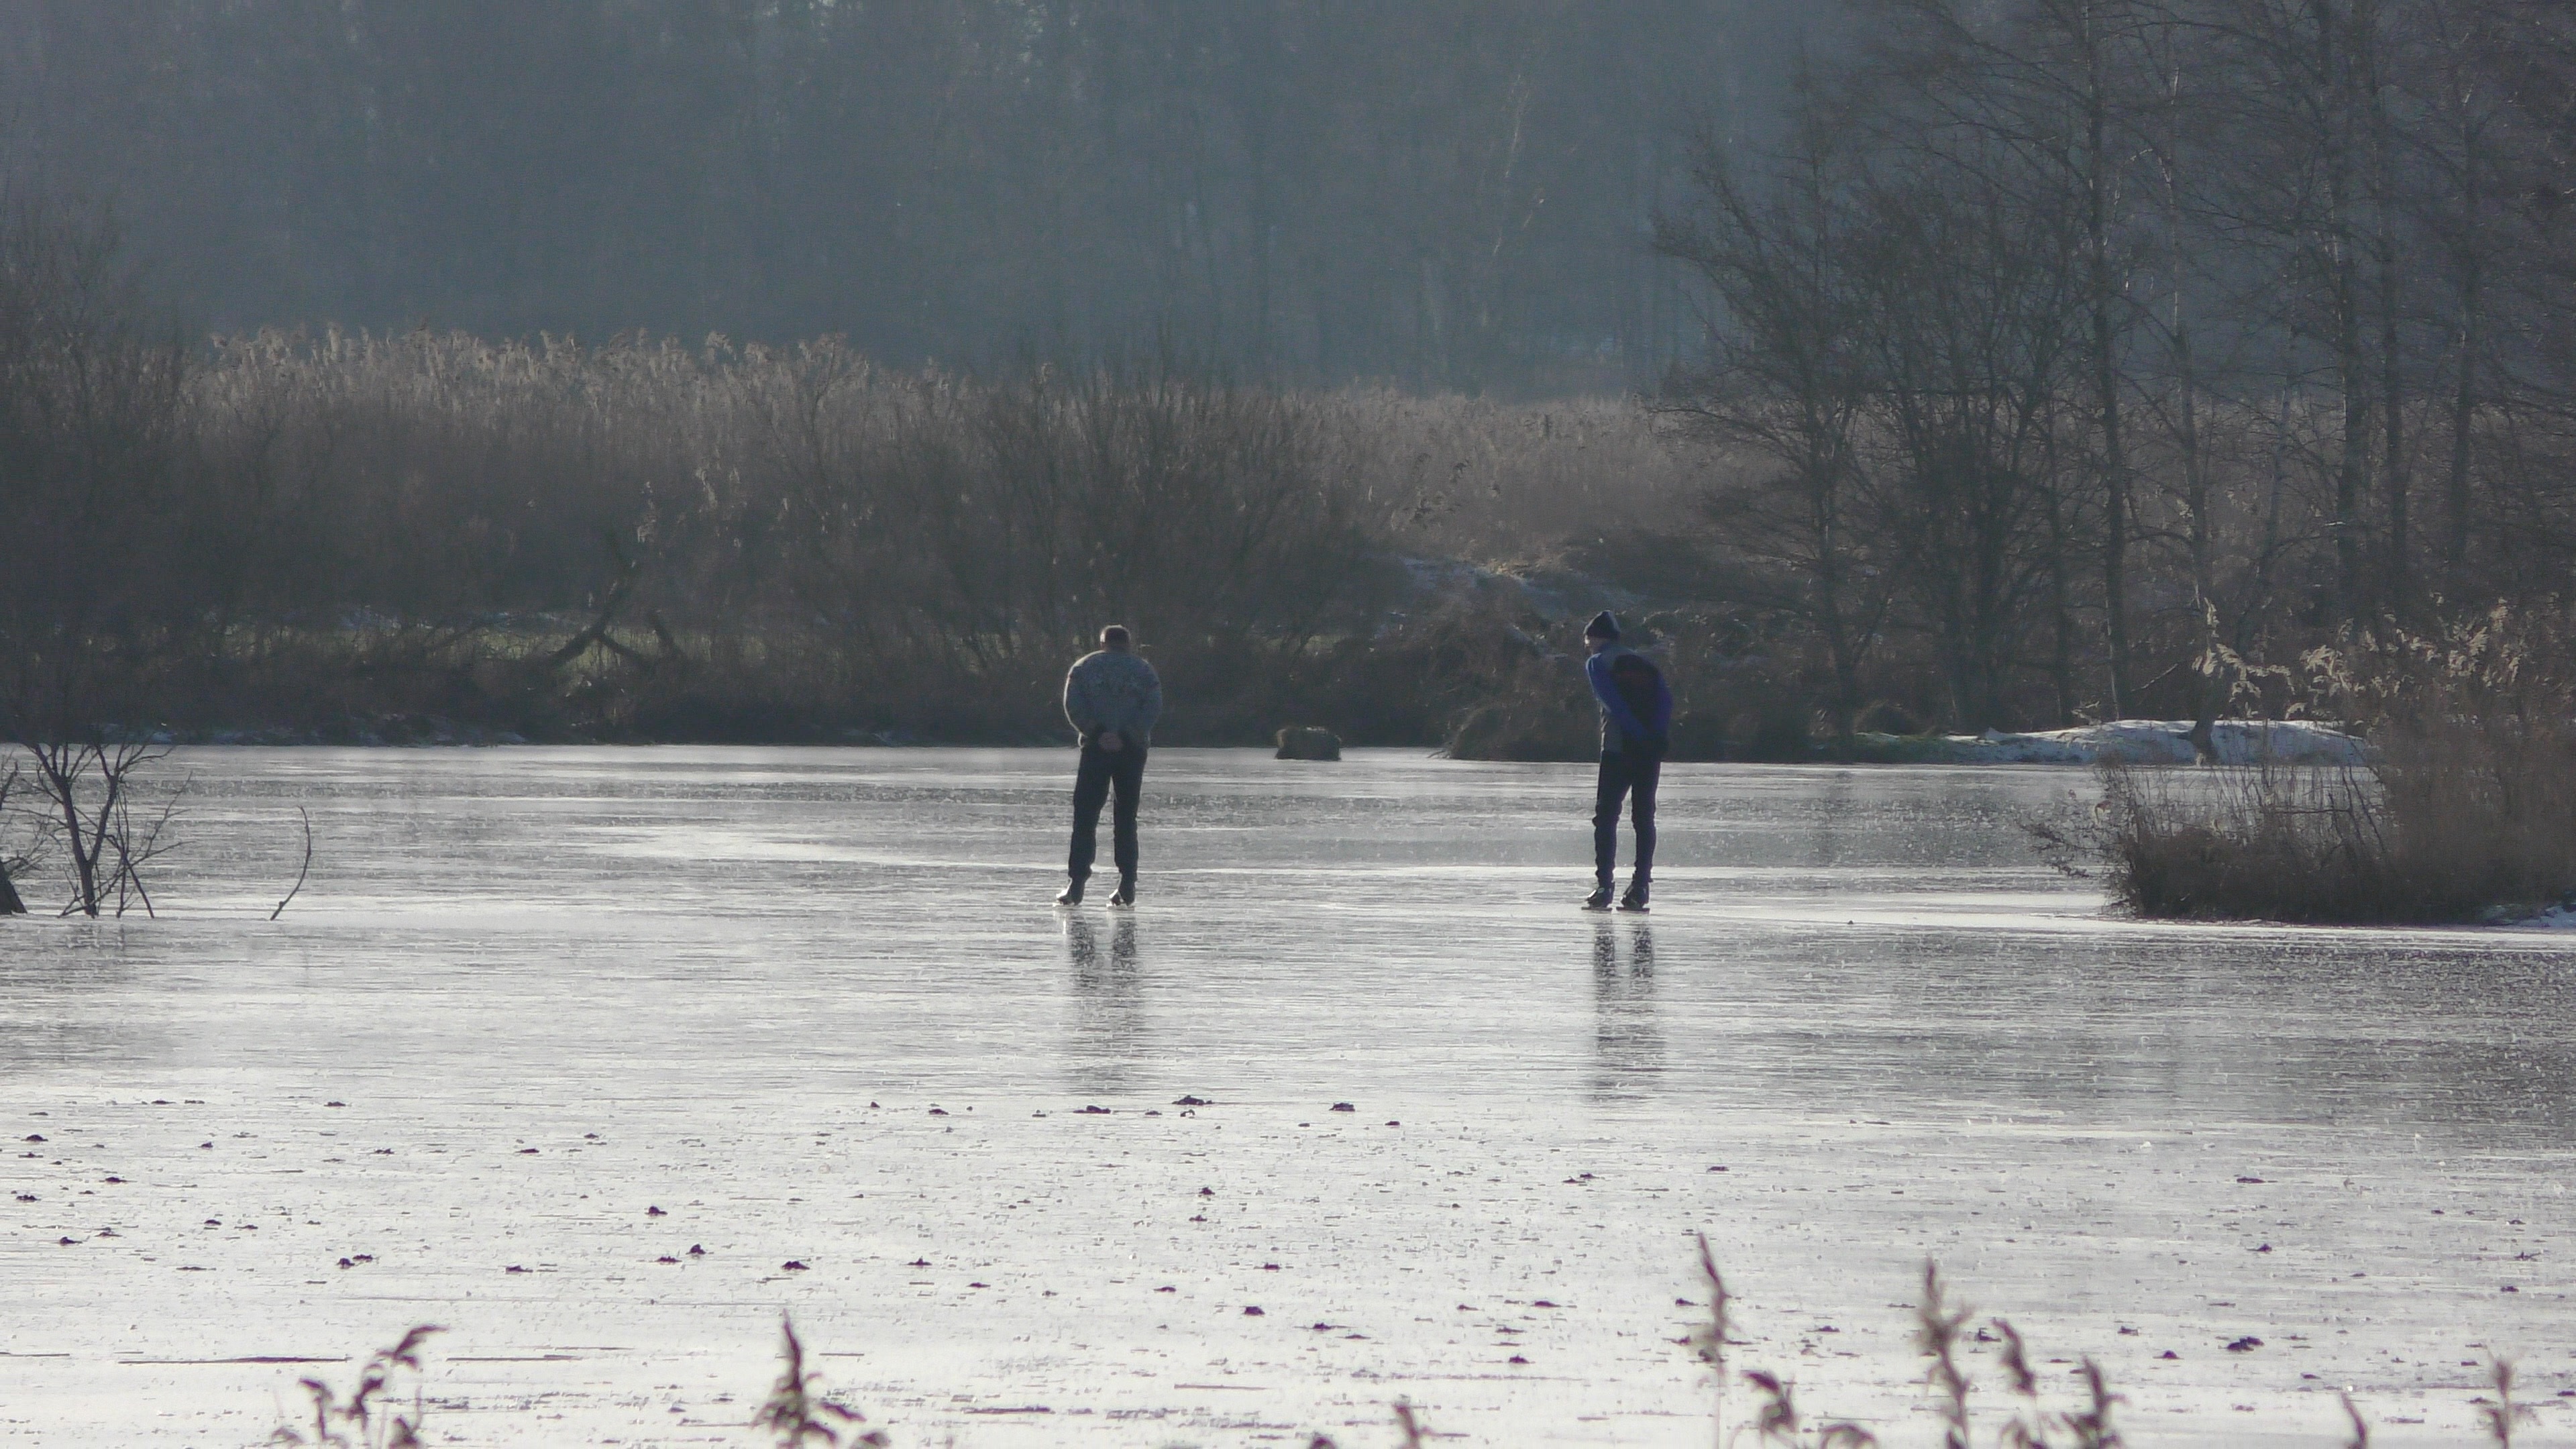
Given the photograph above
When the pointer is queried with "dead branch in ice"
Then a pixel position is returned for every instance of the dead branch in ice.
(301, 870)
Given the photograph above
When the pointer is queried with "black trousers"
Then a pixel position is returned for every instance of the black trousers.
(1124, 768)
(1629, 775)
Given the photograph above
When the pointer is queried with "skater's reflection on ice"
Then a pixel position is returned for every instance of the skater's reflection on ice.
(1627, 1045)
(1108, 1001)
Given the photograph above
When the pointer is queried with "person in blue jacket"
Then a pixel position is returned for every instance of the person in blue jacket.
(1636, 729)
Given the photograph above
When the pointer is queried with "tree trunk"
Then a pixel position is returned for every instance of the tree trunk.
(1829, 595)
(2464, 395)
(2102, 287)
(2395, 475)
(2061, 652)
(2195, 495)
(2352, 471)
(2267, 556)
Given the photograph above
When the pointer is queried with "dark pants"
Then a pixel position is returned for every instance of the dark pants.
(1625, 775)
(1123, 767)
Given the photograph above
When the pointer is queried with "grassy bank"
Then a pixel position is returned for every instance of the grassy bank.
(2464, 811)
(1470, 665)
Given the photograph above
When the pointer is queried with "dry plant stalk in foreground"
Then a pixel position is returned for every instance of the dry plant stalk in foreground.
(798, 1415)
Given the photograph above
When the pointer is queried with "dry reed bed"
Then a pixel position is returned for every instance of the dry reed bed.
(746, 542)
(2466, 810)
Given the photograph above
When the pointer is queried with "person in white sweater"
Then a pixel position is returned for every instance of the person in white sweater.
(1112, 699)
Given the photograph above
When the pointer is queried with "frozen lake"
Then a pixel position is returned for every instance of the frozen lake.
(815, 1007)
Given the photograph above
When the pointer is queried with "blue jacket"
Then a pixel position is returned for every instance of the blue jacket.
(1620, 723)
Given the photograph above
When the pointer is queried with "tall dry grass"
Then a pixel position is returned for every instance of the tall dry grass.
(796, 543)
(2465, 811)
(761, 543)
(1516, 483)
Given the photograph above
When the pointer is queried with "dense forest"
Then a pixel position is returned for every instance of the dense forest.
(1950, 365)
(1447, 194)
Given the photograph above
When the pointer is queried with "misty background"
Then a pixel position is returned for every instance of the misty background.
(1450, 194)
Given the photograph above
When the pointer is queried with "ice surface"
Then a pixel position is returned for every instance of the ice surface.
(753, 974)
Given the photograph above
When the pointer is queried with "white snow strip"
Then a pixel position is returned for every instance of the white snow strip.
(2145, 742)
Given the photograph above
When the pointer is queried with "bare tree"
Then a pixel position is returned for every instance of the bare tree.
(15, 858)
(1972, 314)
(2057, 94)
(2303, 89)
(1785, 375)
(91, 787)
(92, 396)
(2465, 103)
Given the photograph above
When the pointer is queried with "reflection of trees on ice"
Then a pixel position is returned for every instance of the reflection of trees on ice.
(1627, 1045)
(1109, 1002)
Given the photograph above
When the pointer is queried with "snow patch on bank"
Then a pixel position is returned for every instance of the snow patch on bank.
(2130, 741)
